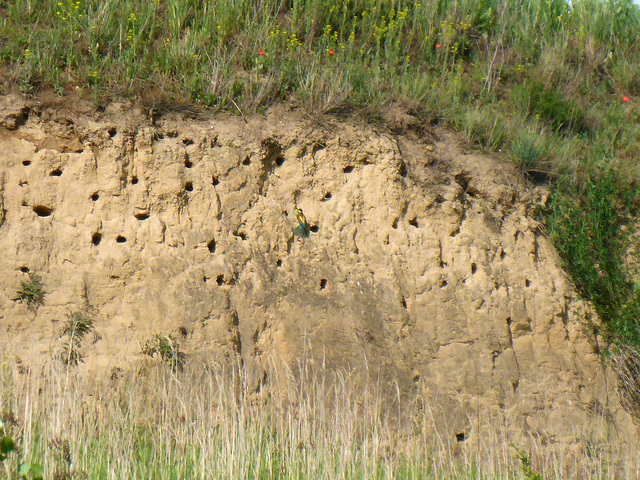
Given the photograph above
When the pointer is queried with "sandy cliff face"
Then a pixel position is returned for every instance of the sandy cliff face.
(423, 263)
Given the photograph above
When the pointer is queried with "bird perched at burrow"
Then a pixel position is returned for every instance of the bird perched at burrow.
(302, 230)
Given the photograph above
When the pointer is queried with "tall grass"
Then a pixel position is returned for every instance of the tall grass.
(257, 52)
(210, 422)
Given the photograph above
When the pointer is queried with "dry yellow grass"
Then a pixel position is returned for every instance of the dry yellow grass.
(209, 423)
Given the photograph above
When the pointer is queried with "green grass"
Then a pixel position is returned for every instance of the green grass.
(327, 54)
(587, 228)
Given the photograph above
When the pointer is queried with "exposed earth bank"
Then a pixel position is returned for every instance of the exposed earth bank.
(423, 265)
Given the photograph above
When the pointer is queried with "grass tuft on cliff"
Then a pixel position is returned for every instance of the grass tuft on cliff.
(555, 84)
(32, 292)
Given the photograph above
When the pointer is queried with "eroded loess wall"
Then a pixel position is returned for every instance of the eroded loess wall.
(423, 265)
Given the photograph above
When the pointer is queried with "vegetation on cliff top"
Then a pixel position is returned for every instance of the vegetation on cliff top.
(554, 84)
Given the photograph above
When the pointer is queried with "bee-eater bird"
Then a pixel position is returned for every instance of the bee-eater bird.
(302, 229)
(300, 217)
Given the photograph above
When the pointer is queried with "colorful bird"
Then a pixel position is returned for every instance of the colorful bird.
(300, 217)
(302, 230)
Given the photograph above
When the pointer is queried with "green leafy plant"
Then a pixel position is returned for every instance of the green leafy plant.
(6, 445)
(168, 348)
(31, 471)
(75, 329)
(27, 471)
(32, 292)
(584, 221)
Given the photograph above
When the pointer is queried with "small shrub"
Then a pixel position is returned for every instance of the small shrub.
(168, 348)
(76, 328)
(533, 98)
(32, 292)
(62, 461)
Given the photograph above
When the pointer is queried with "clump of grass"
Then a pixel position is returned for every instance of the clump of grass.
(168, 348)
(525, 153)
(32, 292)
(564, 116)
(528, 153)
(75, 329)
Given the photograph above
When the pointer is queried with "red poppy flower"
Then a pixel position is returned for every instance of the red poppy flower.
(625, 99)
(260, 52)
(330, 52)
(437, 45)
